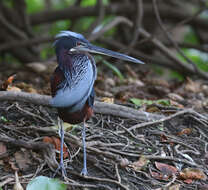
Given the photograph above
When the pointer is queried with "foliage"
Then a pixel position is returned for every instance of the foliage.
(34, 5)
(112, 67)
(140, 102)
(45, 183)
(51, 26)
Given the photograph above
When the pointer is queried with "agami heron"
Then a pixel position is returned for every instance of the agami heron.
(72, 82)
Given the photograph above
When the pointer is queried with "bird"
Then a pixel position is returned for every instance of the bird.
(72, 83)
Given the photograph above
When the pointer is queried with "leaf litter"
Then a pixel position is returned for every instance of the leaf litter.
(151, 160)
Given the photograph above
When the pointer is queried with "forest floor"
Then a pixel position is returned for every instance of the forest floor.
(122, 153)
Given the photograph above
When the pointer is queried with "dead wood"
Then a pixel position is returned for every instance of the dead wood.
(100, 107)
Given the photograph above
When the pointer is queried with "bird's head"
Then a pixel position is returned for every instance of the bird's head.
(74, 42)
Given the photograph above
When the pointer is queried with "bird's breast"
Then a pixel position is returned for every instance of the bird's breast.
(71, 86)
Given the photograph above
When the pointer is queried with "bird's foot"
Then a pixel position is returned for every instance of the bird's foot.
(84, 172)
(63, 170)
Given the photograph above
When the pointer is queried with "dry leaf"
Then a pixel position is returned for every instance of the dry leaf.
(188, 181)
(107, 100)
(67, 126)
(26, 87)
(159, 176)
(164, 138)
(124, 163)
(174, 187)
(166, 169)
(186, 131)
(175, 97)
(12, 165)
(176, 104)
(192, 86)
(37, 67)
(7, 82)
(110, 82)
(192, 173)
(205, 89)
(160, 82)
(152, 109)
(23, 160)
(57, 143)
(3, 148)
(13, 88)
(48, 140)
(140, 164)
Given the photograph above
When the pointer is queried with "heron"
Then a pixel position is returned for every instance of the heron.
(72, 83)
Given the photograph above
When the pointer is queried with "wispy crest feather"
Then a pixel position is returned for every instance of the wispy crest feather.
(65, 33)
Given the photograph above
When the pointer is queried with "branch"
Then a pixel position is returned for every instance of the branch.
(99, 18)
(11, 28)
(73, 12)
(100, 107)
(169, 37)
(184, 67)
(24, 43)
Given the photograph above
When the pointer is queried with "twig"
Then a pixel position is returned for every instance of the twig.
(147, 59)
(142, 125)
(184, 67)
(170, 38)
(100, 107)
(7, 180)
(117, 20)
(24, 43)
(138, 22)
(171, 182)
(31, 114)
(150, 157)
(94, 25)
(11, 28)
(107, 180)
(117, 173)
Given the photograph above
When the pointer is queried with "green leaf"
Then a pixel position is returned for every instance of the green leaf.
(114, 69)
(140, 102)
(83, 23)
(2, 118)
(191, 37)
(45, 183)
(163, 102)
(93, 3)
(34, 5)
(88, 3)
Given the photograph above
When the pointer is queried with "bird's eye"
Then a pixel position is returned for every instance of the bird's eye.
(79, 43)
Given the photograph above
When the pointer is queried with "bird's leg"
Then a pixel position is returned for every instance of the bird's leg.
(61, 164)
(84, 170)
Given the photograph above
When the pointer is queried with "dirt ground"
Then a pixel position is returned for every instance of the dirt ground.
(122, 153)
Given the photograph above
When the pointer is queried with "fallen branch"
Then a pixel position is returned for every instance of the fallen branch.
(100, 107)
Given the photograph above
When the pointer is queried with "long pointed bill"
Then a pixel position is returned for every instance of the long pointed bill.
(94, 49)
